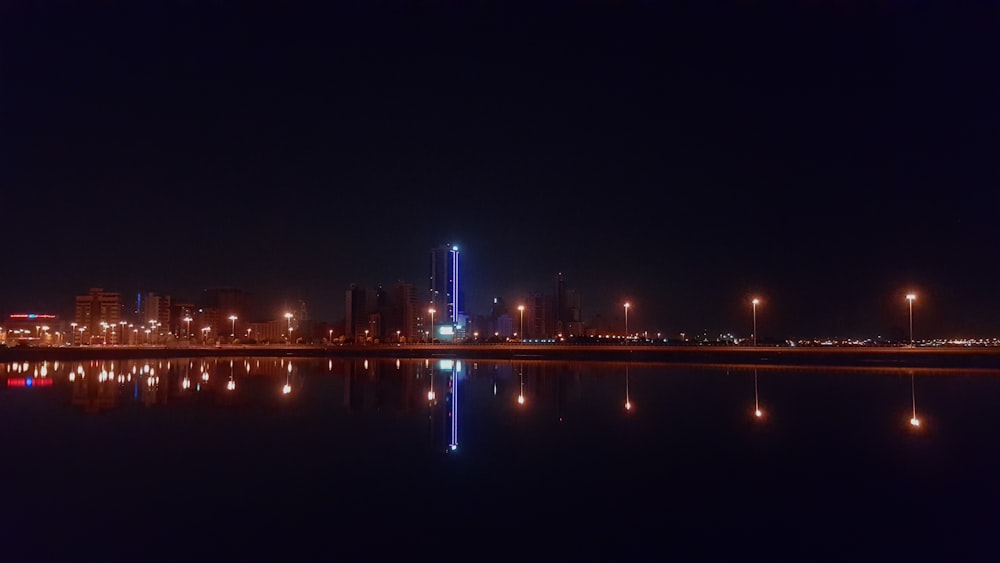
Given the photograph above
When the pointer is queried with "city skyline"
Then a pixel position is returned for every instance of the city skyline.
(826, 159)
(900, 329)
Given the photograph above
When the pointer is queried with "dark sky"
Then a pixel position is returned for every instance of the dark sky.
(685, 156)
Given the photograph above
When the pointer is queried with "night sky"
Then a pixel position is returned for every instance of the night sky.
(827, 157)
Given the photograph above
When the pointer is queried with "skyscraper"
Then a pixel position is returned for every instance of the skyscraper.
(444, 290)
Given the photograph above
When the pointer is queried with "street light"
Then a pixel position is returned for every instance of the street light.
(626, 319)
(521, 309)
(233, 333)
(289, 317)
(910, 297)
(188, 321)
(330, 339)
(754, 303)
(432, 311)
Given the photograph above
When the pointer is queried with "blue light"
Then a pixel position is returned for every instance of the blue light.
(29, 381)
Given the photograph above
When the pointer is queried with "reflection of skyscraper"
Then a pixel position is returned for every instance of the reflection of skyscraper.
(444, 287)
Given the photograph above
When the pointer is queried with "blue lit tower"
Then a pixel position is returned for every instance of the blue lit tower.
(444, 286)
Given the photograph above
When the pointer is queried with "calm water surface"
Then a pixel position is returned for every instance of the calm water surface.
(283, 459)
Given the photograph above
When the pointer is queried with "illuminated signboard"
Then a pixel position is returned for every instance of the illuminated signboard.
(28, 382)
(31, 316)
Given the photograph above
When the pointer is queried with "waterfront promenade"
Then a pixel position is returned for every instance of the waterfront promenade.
(860, 357)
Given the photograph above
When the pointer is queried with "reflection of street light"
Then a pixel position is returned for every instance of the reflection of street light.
(756, 405)
(430, 389)
(521, 309)
(626, 319)
(233, 333)
(288, 387)
(520, 395)
(754, 303)
(628, 403)
(910, 297)
(915, 422)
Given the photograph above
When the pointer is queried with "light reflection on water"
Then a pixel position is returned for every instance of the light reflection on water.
(560, 444)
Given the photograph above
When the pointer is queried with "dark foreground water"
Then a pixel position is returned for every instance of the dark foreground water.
(274, 459)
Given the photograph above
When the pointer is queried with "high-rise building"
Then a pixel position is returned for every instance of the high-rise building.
(95, 309)
(567, 309)
(360, 304)
(445, 291)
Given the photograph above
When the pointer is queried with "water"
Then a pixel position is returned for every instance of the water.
(212, 459)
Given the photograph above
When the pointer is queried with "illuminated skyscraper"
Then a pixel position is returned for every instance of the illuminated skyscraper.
(444, 289)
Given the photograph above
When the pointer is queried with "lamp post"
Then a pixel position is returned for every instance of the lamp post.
(72, 341)
(329, 339)
(233, 333)
(431, 335)
(188, 321)
(911, 297)
(288, 316)
(521, 309)
(626, 319)
(754, 302)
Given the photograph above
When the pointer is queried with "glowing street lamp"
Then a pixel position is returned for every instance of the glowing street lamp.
(288, 316)
(73, 332)
(233, 333)
(188, 321)
(626, 319)
(755, 302)
(521, 309)
(330, 338)
(910, 297)
(432, 311)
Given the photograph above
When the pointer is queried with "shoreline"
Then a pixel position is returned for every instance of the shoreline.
(866, 357)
